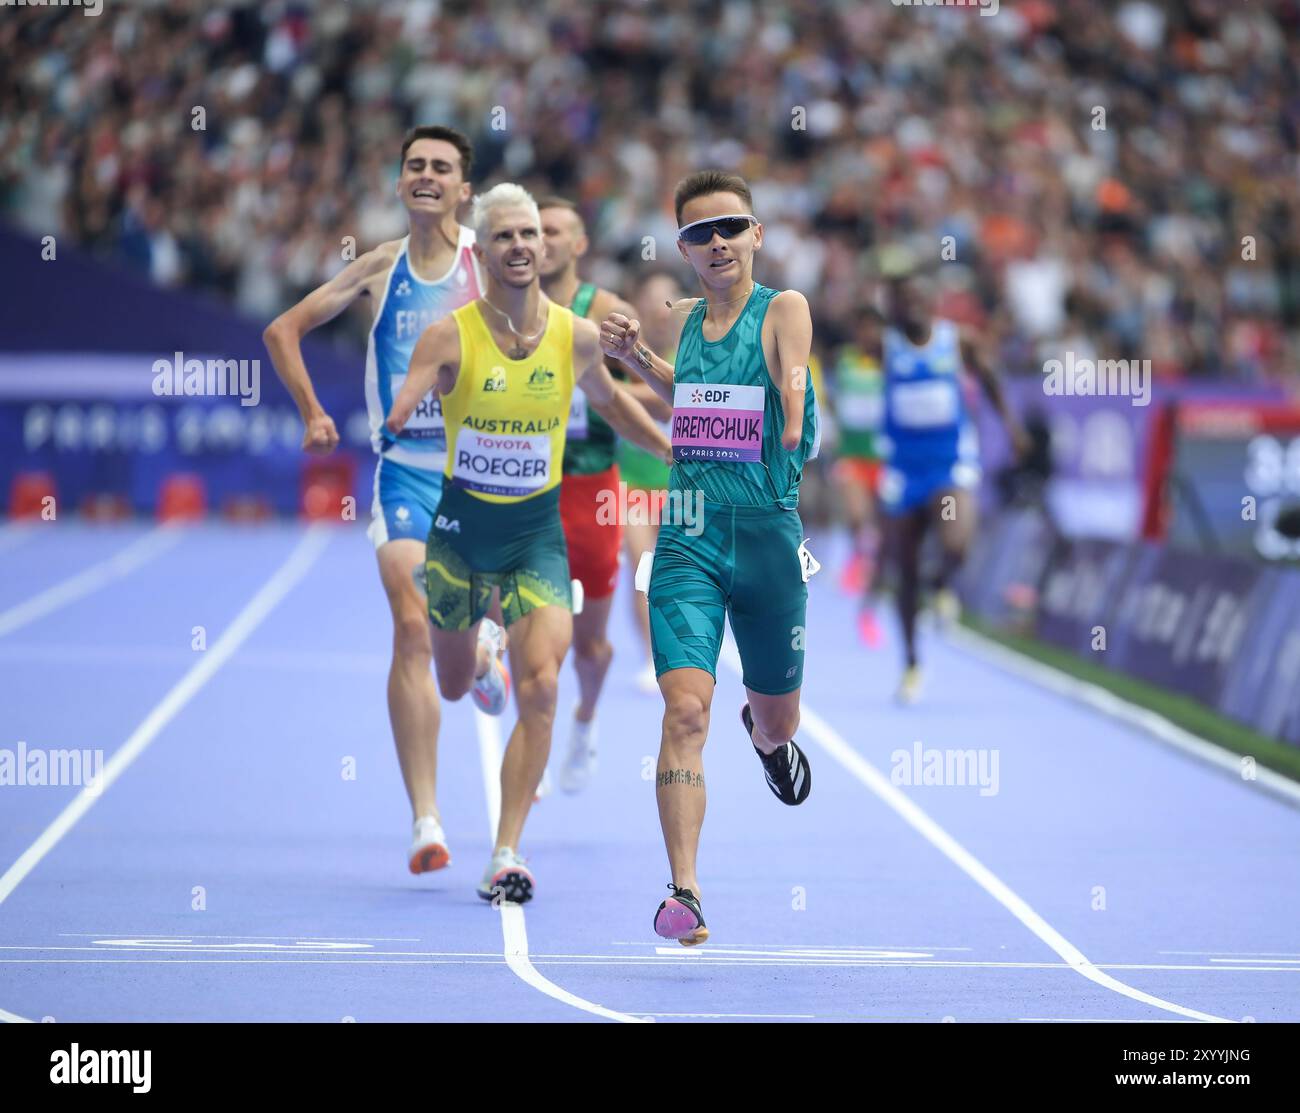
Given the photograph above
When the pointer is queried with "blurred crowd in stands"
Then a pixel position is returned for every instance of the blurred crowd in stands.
(1117, 179)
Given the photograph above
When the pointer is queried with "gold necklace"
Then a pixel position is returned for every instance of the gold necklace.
(519, 351)
(729, 301)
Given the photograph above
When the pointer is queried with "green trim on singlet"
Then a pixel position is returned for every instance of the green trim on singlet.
(596, 453)
(737, 359)
(582, 300)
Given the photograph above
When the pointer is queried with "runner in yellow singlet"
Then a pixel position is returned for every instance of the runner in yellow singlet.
(505, 367)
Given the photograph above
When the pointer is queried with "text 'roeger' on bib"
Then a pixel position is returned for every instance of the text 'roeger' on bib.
(495, 464)
(717, 422)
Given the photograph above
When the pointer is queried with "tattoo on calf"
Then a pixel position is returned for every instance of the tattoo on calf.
(680, 777)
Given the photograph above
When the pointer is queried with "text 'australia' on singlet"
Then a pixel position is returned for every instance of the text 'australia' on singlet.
(506, 417)
(589, 442)
(408, 306)
(925, 410)
(727, 415)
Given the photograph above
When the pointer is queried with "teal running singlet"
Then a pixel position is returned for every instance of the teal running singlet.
(727, 416)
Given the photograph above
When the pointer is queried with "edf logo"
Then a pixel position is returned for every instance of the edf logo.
(710, 395)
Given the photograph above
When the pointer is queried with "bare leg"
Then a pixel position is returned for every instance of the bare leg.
(592, 653)
(955, 523)
(688, 697)
(538, 643)
(413, 707)
(906, 533)
(776, 718)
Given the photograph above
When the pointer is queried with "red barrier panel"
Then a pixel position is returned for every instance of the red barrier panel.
(28, 494)
(183, 498)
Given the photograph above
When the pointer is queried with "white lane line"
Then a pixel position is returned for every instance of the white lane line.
(197, 935)
(276, 588)
(130, 656)
(1110, 704)
(1093, 1020)
(494, 958)
(14, 1018)
(834, 744)
(139, 552)
(513, 928)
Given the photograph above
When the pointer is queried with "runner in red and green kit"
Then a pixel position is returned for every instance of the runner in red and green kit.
(731, 542)
(589, 494)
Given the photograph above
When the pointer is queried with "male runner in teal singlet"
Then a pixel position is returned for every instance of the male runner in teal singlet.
(744, 423)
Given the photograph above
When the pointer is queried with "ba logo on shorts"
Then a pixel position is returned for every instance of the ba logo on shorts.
(698, 396)
(451, 525)
(542, 378)
(495, 381)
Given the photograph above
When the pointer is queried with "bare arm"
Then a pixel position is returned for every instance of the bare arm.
(972, 356)
(605, 304)
(613, 402)
(791, 325)
(620, 339)
(435, 365)
(283, 339)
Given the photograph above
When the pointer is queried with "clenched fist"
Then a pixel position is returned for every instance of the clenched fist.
(320, 437)
(619, 335)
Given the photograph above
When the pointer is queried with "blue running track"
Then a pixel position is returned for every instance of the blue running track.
(230, 868)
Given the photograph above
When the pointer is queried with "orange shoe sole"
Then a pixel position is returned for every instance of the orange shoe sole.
(698, 936)
(430, 858)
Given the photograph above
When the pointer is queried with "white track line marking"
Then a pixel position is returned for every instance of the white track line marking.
(14, 1018)
(513, 928)
(197, 935)
(1110, 704)
(833, 743)
(276, 588)
(139, 552)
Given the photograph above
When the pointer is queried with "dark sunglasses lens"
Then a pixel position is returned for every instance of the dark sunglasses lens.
(732, 227)
(728, 229)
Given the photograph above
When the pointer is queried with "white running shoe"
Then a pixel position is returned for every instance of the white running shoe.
(491, 691)
(508, 877)
(580, 764)
(947, 608)
(647, 681)
(909, 688)
(428, 846)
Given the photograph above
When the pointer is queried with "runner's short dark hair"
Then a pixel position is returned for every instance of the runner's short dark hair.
(457, 139)
(704, 182)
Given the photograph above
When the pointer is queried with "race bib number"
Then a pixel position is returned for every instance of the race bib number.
(718, 423)
(426, 424)
(577, 427)
(927, 405)
(495, 464)
(861, 411)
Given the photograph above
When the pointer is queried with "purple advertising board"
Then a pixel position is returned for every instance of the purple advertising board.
(1080, 591)
(1181, 619)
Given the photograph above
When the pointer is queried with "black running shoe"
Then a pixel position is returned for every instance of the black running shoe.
(679, 917)
(788, 773)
